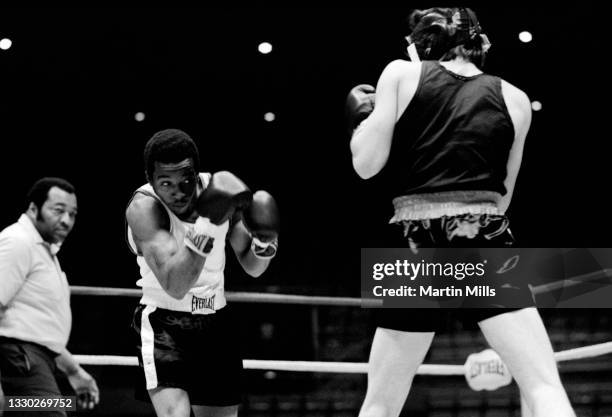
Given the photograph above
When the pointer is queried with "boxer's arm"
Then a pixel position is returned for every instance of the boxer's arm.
(175, 266)
(371, 141)
(240, 239)
(519, 108)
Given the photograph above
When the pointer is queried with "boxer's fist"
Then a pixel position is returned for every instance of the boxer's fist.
(224, 195)
(359, 104)
(261, 218)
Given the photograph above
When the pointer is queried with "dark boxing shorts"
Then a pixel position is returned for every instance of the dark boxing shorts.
(197, 353)
(28, 369)
(460, 231)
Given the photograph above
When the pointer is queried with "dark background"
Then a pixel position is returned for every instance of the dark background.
(74, 78)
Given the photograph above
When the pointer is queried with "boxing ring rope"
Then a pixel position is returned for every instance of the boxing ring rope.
(571, 282)
(338, 367)
(343, 367)
(315, 300)
(240, 297)
(348, 367)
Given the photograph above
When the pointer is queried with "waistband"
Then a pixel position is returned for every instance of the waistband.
(197, 301)
(48, 352)
(447, 203)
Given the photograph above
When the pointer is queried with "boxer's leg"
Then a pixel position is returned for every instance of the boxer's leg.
(162, 359)
(216, 369)
(394, 360)
(170, 402)
(521, 341)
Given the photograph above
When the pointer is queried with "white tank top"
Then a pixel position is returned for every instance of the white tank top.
(207, 295)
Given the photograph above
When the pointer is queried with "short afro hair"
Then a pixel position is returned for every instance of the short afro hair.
(39, 192)
(170, 146)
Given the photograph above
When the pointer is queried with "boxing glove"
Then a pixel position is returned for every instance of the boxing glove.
(224, 195)
(359, 105)
(262, 220)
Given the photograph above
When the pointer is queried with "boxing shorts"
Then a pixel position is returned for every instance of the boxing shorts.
(197, 353)
(467, 230)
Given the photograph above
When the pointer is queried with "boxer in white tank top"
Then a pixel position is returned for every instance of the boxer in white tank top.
(177, 225)
(207, 295)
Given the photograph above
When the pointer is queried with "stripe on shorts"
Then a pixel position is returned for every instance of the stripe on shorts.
(147, 338)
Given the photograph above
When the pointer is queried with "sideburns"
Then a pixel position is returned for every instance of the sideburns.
(39, 216)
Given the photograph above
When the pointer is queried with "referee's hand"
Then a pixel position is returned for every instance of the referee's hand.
(86, 389)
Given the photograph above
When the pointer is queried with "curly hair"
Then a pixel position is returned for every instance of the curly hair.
(39, 192)
(443, 33)
(168, 146)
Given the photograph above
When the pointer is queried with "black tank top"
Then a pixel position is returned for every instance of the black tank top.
(455, 135)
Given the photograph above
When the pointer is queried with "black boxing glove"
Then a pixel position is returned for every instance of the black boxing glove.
(262, 220)
(224, 195)
(359, 105)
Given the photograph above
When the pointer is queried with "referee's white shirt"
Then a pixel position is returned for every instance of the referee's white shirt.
(33, 288)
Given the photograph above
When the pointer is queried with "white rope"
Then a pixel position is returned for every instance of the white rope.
(271, 365)
(106, 360)
(584, 352)
(573, 281)
(240, 297)
(268, 298)
(347, 367)
(342, 367)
